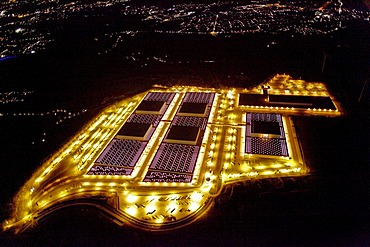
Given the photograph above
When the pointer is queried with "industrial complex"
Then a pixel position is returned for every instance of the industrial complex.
(158, 160)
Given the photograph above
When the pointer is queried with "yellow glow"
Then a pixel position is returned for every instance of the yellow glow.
(159, 220)
(152, 198)
(131, 198)
(267, 173)
(230, 94)
(297, 169)
(172, 206)
(194, 206)
(131, 210)
(150, 208)
(276, 165)
(196, 196)
(260, 167)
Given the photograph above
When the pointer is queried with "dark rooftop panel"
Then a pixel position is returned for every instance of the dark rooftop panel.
(266, 127)
(290, 99)
(134, 129)
(154, 106)
(323, 103)
(286, 101)
(252, 99)
(193, 108)
(302, 101)
(183, 133)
